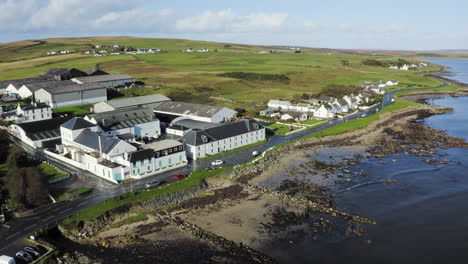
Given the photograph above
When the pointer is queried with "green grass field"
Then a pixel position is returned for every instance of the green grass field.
(66, 194)
(194, 76)
(51, 172)
(281, 129)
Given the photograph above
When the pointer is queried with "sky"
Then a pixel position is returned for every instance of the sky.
(345, 24)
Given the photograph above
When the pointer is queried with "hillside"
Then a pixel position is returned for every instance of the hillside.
(195, 76)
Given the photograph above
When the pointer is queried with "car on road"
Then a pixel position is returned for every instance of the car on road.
(179, 176)
(217, 162)
(152, 184)
(24, 256)
(363, 115)
(33, 250)
(255, 153)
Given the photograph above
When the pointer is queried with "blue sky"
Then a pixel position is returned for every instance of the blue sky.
(358, 24)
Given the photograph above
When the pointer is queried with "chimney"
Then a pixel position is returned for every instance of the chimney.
(100, 143)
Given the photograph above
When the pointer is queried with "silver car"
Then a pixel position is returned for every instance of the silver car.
(25, 256)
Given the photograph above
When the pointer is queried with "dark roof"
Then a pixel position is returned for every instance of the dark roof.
(63, 73)
(194, 124)
(77, 123)
(189, 109)
(73, 88)
(90, 139)
(104, 78)
(44, 129)
(94, 72)
(32, 107)
(123, 118)
(141, 155)
(20, 82)
(33, 87)
(225, 130)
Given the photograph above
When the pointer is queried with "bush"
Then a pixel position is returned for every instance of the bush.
(251, 76)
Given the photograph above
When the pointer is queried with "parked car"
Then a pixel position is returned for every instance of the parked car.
(152, 184)
(363, 115)
(255, 153)
(216, 162)
(7, 260)
(32, 250)
(24, 256)
(180, 176)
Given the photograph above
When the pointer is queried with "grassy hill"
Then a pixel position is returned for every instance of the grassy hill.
(195, 76)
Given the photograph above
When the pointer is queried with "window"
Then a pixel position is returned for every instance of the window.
(170, 150)
(180, 158)
(149, 167)
(160, 163)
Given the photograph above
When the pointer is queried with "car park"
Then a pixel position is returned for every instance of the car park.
(32, 250)
(152, 184)
(180, 176)
(24, 256)
(216, 163)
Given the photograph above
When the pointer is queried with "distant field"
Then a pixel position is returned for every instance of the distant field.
(194, 76)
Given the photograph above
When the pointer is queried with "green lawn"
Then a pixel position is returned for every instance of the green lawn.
(311, 121)
(65, 194)
(76, 110)
(282, 130)
(137, 196)
(51, 172)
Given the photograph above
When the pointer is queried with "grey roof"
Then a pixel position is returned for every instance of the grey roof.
(123, 118)
(77, 123)
(44, 129)
(104, 78)
(32, 107)
(163, 144)
(63, 71)
(73, 88)
(189, 109)
(46, 85)
(194, 124)
(90, 139)
(19, 82)
(137, 101)
(93, 72)
(226, 130)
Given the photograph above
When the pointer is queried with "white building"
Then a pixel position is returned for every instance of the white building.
(147, 101)
(205, 113)
(283, 105)
(69, 95)
(28, 113)
(108, 80)
(392, 83)
(296, 116)
(203, 143)
(324, 111)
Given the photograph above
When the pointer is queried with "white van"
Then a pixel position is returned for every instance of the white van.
(7, 260)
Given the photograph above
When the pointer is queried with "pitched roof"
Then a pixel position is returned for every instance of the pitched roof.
(137, 101)
(188, 109)
(19, 82)
(225, 130)
(46, 85)
(72, 88)
(163, 144)
(140, 155)
(194, 124)
(90, 139)
(123, 118)
(77, 123)
(279, 102)
(94, 72)
(44, 129)
(103, 78)
(62, 71)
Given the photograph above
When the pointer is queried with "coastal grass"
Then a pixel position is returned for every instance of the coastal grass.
(134, 197)
(142, 216)
(234, 150)
(51, 172)
(449, 88)
(75, 110)
(281, 129)
(63, 194)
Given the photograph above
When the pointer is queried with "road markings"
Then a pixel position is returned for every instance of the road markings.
(95, 198)
(30, 227)
(13, 235)
(66, 210)
(50, 217)
(82, 203)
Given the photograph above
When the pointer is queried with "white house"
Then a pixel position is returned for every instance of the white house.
(392, 82)
(324, 111)
(205, 113)
(28, 113)
(296, 116)
(341, 105)
(394, 67)
(39, 134)
(52, 52)
(405, 67)
(352, 101)
(202, 143)
(283, 105)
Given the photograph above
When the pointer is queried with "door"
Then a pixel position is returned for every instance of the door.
(118, 176)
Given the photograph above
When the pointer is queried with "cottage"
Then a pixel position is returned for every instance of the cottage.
(147, 101)
(108, 81)
(28, 113)
(139, 122)
(39, 134)
(341, 106)
(73, 94)
(205, 113)
(202, 143)
(296, 116)
(283, 105)
(324, 111)
(392, 83)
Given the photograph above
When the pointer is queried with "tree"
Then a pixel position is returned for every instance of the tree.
(4, 145)
(345, 62)
(37, 191)
(16, 185)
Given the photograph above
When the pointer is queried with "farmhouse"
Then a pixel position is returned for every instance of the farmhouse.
(147, 101)
(39, 134)
(68, 95)
(201, 143)
(138, 122)
(205, 113)
(28, 113)
(109, 80)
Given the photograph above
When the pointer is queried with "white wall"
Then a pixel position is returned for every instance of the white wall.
(153, 166)
(211, 148)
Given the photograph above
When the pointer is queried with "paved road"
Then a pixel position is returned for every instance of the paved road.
(103, 190)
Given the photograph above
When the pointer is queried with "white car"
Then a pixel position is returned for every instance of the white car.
(216, 162)
(363, 115)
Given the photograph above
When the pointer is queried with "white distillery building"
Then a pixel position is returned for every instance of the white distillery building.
(202, 143)
(69, 95)
(147, 101)
(108, 81)
(199, 112)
